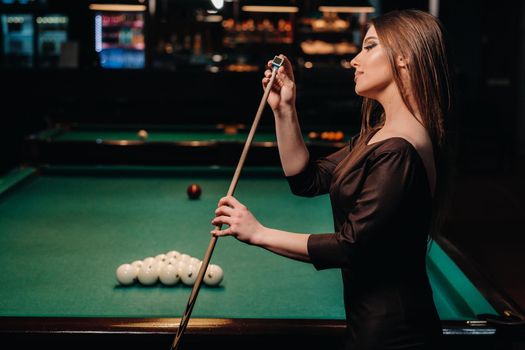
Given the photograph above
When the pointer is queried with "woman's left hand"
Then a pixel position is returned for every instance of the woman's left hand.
(242, 224)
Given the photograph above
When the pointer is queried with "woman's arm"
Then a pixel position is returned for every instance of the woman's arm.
(288, 244)
(245, 227)
(292, 149)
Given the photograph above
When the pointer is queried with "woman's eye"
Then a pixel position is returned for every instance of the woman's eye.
(370, 46)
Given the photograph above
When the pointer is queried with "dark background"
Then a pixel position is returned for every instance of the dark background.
(486, 41)
(486, 210)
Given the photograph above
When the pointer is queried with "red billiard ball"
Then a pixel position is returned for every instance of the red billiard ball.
(194, 191)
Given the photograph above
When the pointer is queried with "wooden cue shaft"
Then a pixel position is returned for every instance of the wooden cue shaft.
(196, 287)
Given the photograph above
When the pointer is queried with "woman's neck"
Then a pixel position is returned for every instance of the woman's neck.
(396, 111)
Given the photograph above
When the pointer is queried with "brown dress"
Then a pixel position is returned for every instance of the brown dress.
(382, 207)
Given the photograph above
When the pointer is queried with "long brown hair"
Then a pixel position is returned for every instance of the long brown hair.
(418, 37)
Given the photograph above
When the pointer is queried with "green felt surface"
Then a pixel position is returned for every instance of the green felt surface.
(160, 136)
(63, 233)
(113, 133)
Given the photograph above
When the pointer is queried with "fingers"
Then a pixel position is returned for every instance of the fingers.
(277, 83)
(284, 73)
(230, 201)
(224, 215)
(267, 77)
(283, 77)
(224, 201)
(286, 70)
(221, 233)
(276, 87)
(224, 210)
(221, 220)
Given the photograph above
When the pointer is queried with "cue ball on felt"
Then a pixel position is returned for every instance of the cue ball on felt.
(194, 191)
(142, 134)
(126, 274)
(214, 275)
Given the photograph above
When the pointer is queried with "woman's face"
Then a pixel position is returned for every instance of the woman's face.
(373, 73)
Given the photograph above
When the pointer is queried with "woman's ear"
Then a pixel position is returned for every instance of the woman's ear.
(401, 62)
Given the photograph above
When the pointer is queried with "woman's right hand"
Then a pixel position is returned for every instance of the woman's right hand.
(282, 95)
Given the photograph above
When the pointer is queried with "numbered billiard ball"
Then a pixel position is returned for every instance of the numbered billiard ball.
(169, 275)
(148, 275)
(214, 275)
(194, 191)
(188, 273)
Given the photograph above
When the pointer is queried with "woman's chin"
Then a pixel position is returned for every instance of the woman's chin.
(360, 92)
(367, 93)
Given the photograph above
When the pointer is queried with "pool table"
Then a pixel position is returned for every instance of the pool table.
(65, 229)
(219, 144)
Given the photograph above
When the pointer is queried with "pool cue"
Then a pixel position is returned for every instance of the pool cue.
(276, 63)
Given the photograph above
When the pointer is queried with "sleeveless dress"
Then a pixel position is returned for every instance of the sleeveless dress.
(382, 206)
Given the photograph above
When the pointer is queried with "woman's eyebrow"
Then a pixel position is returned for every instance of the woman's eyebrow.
(369, 38)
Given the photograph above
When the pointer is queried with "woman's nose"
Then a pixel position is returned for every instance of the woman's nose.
(354, 62)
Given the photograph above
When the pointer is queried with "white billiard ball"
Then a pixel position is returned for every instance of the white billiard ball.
(161, 257)
(158, 265)
(126, 274)
(188, 274)
(173, 254)
(169, 275)
(193, 261)
(198, 265)
(148, 261)
(181, 266)
(214, 275)
(174, 261)
(185, 257)
(137, 264)
(148, 275)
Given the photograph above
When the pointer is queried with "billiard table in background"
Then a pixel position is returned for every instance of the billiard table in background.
(64, 229)
(112, 144)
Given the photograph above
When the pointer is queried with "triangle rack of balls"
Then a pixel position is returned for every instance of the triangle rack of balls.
(169, 268)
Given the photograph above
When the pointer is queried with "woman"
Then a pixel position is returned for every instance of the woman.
(382, 185)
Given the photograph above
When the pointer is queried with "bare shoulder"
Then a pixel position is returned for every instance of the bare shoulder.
(421, 142)
(419, 139)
